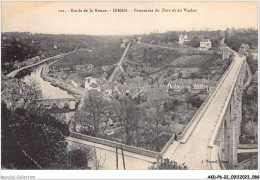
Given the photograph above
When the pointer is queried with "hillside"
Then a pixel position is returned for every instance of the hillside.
(19, 47)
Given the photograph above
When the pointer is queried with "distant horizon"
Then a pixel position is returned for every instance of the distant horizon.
(255, 29)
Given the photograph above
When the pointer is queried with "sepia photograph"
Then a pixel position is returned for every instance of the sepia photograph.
(129, 86)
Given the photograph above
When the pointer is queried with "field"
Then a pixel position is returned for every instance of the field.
(191, 61)
(107, 55)
(158, 56)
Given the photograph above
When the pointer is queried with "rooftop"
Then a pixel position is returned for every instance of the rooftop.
(205, 40)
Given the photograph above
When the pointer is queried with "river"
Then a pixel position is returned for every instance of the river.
(48, 91)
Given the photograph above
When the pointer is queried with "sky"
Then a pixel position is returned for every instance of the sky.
(43, 17)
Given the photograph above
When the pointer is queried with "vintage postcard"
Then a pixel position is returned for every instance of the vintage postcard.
(129, 86)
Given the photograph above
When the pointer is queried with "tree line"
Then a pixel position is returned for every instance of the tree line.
(141, 126)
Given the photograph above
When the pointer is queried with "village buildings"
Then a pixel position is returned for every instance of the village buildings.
(183, 39)
(244, 49)
(254, 53)
(191, 84)
(205, 44)
(139, 40)
(84, 68)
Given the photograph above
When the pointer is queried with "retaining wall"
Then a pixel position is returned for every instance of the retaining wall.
(116, 144)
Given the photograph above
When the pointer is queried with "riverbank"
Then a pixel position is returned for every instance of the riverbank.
(77, 92)
(13, 73)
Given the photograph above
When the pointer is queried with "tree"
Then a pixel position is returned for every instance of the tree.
(249, 128)
(164, 164)
(79, 157)
(17, 94)
(194, 100)
(172, 36)
(30, 94)
(179, 75)
(195, 42)
(184, 90)
(31, 140)
(250, 99)
(170, 105)
(155, 124)
(227, 32)
(92, 113)
(128, 114)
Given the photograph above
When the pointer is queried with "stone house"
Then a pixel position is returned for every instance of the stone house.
(139, 40)
(244, 49)
(183, 39)
(255, 56)
(205, 44)
(60, 68)
(191, 85)
(91, 83)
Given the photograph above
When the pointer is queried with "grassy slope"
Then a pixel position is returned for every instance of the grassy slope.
(100, 57)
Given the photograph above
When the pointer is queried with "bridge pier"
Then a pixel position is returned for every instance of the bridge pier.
(236, 114)
(231, 127)
(226, 139)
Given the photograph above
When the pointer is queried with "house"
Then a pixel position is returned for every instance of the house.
(203, 84)
(180, 84)
(183, 39)
(205, 44)
(244, 49)
(200, 84)
(59, 68)
(170, 85)
(194, 84)
(91, 83)
(72, 105)
(139, 40)
(255, 56)
(84, 68)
